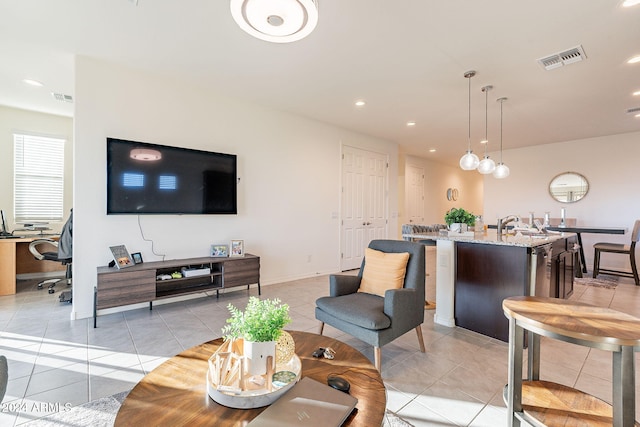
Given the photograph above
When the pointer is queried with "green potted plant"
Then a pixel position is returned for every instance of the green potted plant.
(459, 219)
(260, 326)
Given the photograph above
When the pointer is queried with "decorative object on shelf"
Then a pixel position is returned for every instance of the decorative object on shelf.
(219, 250)
(237, 248)
(469, 161)
(121, 256)
(486, 165)
(260, 323)
(502, 170)
(568, 187)
(281, 21)
(137, 257)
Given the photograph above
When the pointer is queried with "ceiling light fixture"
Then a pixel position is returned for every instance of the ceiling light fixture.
(629, 3)
(469, 161)
(636, 93)
(411, 124)
(360, 103)
(145, 154)
(32, 82)
(277, 21)
(486, 165)
(502, 171)
(634, 60)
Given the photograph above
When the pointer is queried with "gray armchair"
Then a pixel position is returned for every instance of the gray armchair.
(371, 318)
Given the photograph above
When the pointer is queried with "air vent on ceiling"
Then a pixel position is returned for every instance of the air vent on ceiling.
(62, 97)
(633, 110)
(566, 57)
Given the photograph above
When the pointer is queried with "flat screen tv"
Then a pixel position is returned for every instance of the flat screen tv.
(147, 178)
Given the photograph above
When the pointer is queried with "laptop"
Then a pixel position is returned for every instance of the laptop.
(308, 403)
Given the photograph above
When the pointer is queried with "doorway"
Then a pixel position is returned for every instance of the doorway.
(364, 203)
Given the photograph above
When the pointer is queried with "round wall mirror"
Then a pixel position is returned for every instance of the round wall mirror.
(568, 187)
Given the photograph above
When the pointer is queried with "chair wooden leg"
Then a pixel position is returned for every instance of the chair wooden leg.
(596, 263)
(377, 358)
(321, 328)
(420, 339)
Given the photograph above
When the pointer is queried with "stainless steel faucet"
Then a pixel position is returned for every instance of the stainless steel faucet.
(502, 222)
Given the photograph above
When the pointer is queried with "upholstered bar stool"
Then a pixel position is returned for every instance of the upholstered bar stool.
(619, 248)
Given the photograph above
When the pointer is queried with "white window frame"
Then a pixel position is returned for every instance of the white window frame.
(38, 178)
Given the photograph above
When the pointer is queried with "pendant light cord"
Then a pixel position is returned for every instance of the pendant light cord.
(469, 127)
(501, 102)
(486, 120)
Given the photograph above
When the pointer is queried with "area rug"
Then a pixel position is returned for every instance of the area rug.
(102, 413)
(608, 282)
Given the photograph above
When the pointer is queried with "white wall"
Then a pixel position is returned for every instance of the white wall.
(16, 120)
(289, 169)
(438, 178)
(609, 163)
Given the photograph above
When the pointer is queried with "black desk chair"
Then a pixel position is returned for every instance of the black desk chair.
(36, 248)
(62, 255)
(619, 248)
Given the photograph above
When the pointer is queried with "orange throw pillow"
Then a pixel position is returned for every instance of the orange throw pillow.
(383, 271)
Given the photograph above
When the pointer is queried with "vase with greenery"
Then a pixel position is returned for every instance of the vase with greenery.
(459, 216)
(261, 321)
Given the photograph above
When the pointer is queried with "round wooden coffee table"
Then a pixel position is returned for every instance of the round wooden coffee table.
(175, 393)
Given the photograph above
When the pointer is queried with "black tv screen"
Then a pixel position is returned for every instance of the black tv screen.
(157, 179)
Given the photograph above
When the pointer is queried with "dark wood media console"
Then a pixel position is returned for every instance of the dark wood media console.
(140, 283)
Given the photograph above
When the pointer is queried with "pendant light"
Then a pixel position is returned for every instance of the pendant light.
(469, 161)
(486, 165)
(502, 171)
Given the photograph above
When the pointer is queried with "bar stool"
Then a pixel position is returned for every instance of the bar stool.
(619, 248)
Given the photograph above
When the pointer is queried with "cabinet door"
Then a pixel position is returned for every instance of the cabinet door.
(239, 272)
(125, 287)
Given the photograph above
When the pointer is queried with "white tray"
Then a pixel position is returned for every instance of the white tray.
(256, 398)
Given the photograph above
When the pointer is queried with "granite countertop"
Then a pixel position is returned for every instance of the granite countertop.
(490, 237)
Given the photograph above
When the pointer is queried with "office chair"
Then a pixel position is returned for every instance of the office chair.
(63, 255)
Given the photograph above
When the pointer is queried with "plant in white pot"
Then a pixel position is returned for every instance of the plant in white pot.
(259, 325)
(459, 219)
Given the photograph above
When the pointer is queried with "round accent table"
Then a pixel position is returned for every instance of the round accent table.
(175, 393)
(547, 403)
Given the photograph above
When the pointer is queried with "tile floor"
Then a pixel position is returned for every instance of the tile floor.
(55, 362)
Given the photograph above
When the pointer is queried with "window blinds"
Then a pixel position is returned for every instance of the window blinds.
(38, 178)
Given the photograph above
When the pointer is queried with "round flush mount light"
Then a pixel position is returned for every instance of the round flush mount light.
(634, 60)
(276, 21)
(145, 154)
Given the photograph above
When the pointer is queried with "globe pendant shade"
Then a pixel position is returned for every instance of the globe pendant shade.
(486, 166)
(502, 171)
(469, 161)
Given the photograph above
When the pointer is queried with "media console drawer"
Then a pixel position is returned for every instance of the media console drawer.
(140, 283)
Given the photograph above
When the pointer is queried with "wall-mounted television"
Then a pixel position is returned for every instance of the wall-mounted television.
(147, 178)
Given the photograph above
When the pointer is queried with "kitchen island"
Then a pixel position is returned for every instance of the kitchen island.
(475, 274)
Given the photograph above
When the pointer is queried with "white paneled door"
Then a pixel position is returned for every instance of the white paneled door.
(364, 203)
(414, 195)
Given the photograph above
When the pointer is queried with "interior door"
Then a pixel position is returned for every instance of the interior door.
(414, 194)
(364, 203)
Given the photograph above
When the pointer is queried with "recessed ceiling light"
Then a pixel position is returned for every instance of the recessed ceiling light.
(484, 141)
(634, 60)
(638, 115)
(432, 150)
(411, 123)
(636, 93)
(629, 3)
(360, 103)
(32, 82)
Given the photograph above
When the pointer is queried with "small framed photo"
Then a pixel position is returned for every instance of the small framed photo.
(137, 258)
(237, 248)
(121, 256)
(219, 250)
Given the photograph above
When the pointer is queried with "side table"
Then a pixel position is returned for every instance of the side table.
(547, 403)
